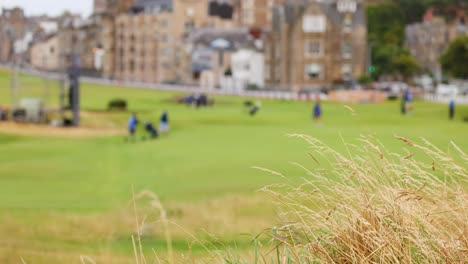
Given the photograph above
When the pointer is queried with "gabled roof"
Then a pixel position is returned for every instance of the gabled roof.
(145, 5)
(291, 11)
(238, 38)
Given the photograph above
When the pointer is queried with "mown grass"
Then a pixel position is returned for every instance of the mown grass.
(202, 169)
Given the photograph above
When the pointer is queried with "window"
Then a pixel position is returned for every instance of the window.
(190, 12)
(313, 71)
(166, 65)
(277, 73)
(348, 21)
(277, 53)
(313, 23)
(132, 65)
(267, 71)
(313, 48)
(189, 26)
(247, 17)
(346, 6)
(165, 23)
(347, 71)
(166, 38)
(347, 50)
(52, 50)
(167, 52)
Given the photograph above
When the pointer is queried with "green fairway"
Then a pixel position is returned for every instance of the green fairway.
(208, 154)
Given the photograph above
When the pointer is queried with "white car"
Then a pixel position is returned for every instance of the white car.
(447, 90)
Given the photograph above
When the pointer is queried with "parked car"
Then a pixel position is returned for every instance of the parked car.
(447, 90)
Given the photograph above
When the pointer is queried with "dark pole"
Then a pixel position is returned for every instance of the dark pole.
(74, 90)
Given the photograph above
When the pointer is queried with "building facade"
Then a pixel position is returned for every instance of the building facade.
(138, 53)
(315, 44)
(429, 39)
(112, 6)
(256, 13)
(45, 55)
(150, 39)
(13, 27)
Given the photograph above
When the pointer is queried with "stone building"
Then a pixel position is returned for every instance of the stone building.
(46, 55)
(256, 13)
(314, 44)
(209, 51)
(112, 6)
(429, 39)
(143, 45)
(150, 38)
(71, 40)
(13, 27)
(137, 48)
(99, 51)
(97, 46)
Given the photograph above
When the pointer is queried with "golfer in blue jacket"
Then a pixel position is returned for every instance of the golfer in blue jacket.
(132, 125)
(317, 111)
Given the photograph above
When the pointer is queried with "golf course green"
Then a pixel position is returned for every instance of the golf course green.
(58, 191)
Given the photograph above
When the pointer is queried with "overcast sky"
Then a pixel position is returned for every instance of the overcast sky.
(51, 7)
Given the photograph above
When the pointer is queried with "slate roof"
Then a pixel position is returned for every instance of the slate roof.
(163, 5)
(292, 10)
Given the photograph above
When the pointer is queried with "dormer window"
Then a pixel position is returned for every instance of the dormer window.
(314, 23)
(347, 50)
(345, 6)
(348, 21)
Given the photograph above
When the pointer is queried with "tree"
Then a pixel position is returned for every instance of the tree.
(405, 65)
(454, 61)
(386, 25)
(412, 10)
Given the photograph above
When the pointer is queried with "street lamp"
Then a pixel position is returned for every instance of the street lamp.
(370, 67)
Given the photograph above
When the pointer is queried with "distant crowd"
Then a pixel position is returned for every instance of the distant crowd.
(202, 100)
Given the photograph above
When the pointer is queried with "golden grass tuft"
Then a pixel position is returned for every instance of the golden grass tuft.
(374, 206)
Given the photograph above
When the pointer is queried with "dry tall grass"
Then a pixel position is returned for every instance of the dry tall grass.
(374, 206)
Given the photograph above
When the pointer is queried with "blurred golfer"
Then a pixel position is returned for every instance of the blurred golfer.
(132, 125)
(255, 108)
(153, 133)
(164, 123)
(317, 111)
(451, 109)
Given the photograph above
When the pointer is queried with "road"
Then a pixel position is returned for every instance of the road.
(284, 95)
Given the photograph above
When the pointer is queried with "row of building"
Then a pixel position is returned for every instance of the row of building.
(275, 44)
(296, 44)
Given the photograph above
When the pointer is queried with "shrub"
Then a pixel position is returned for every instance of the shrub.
(252, 87)
(364, 79)
(228, 72)
(117, 104)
